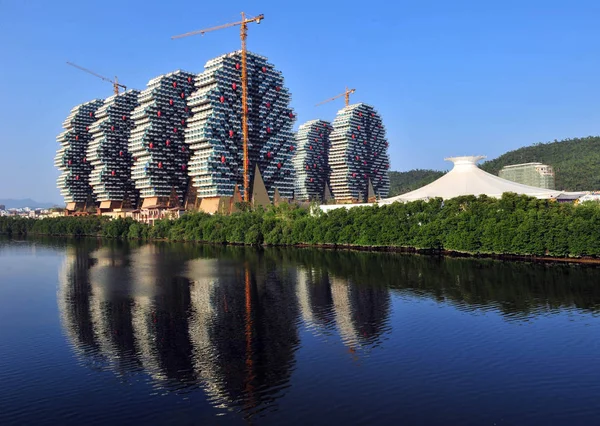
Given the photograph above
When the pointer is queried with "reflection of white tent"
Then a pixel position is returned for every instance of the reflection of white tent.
(468, 179)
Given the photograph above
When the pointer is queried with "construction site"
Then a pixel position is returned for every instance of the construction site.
(215, 141)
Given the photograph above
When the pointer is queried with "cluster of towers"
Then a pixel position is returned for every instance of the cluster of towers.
(179, 143)
(346, 160)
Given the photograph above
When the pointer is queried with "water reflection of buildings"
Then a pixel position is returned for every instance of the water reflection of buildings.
(110, 309)
(315, 300)
(161, 302)
(123, 310)
(227, 327)
(226, 322)
(360, 312)
(226, 319)
(74, 301)
(243, 323)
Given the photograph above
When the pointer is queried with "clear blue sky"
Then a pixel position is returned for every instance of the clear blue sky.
(448, 77)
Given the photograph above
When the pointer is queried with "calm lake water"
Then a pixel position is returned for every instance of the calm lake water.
(110, 333)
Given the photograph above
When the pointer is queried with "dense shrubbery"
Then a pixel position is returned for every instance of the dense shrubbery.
(511, 225)
(72, 226)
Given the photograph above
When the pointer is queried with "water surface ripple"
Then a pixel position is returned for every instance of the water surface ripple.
(112, 333)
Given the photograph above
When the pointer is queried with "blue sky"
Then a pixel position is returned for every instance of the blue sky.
(448, 77)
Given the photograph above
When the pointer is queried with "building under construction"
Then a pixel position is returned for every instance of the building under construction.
(311, 160)
(532, 174)
(214, 133)
(179, 144)
(108, 152)
(358, 156)
(71, 157)
(160, 154)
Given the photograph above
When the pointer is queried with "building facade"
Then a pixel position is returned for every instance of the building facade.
(531, 174)
(215, 137)
(71, 157)
(311, 160)
(160, 154)
(108, 151)
(358, 156)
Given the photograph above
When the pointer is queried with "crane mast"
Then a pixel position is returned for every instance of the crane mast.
(243, 36)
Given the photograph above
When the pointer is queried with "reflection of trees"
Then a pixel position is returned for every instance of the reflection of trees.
(515, 288)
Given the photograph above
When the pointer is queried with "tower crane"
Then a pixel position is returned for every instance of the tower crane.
(115, 83)
(243, 35)
(346, 94)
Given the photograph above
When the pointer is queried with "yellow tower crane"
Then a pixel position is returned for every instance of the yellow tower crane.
(114, 82)
(243, 35)
(346, 94)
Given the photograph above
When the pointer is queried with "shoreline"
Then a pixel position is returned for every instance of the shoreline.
(451, 253)
(589, 261)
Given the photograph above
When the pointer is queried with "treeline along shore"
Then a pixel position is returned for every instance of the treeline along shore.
(513, 225)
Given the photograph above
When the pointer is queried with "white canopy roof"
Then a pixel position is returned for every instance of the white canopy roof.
(466, 178)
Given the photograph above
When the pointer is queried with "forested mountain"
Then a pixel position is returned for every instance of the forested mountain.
(402, 182)
(576, 164)
(27, 202)
(576, 161)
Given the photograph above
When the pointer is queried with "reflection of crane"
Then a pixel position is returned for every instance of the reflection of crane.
(243, 34)
(115, 83)
(251, 403)
(347, 94)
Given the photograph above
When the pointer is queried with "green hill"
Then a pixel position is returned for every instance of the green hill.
(576, 164)
(576, 161)
(402, 182)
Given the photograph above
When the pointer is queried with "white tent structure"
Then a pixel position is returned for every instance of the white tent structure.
(466, 178)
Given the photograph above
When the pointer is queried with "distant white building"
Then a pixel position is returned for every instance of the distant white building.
(532, 174)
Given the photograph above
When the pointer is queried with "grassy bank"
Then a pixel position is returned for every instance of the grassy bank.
(515, 225)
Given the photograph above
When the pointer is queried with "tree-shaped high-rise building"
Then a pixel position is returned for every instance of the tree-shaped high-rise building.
(358, 155)
(160, 155)
(108, 152)
(214, 133)
(311, 160)
(71, 158)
